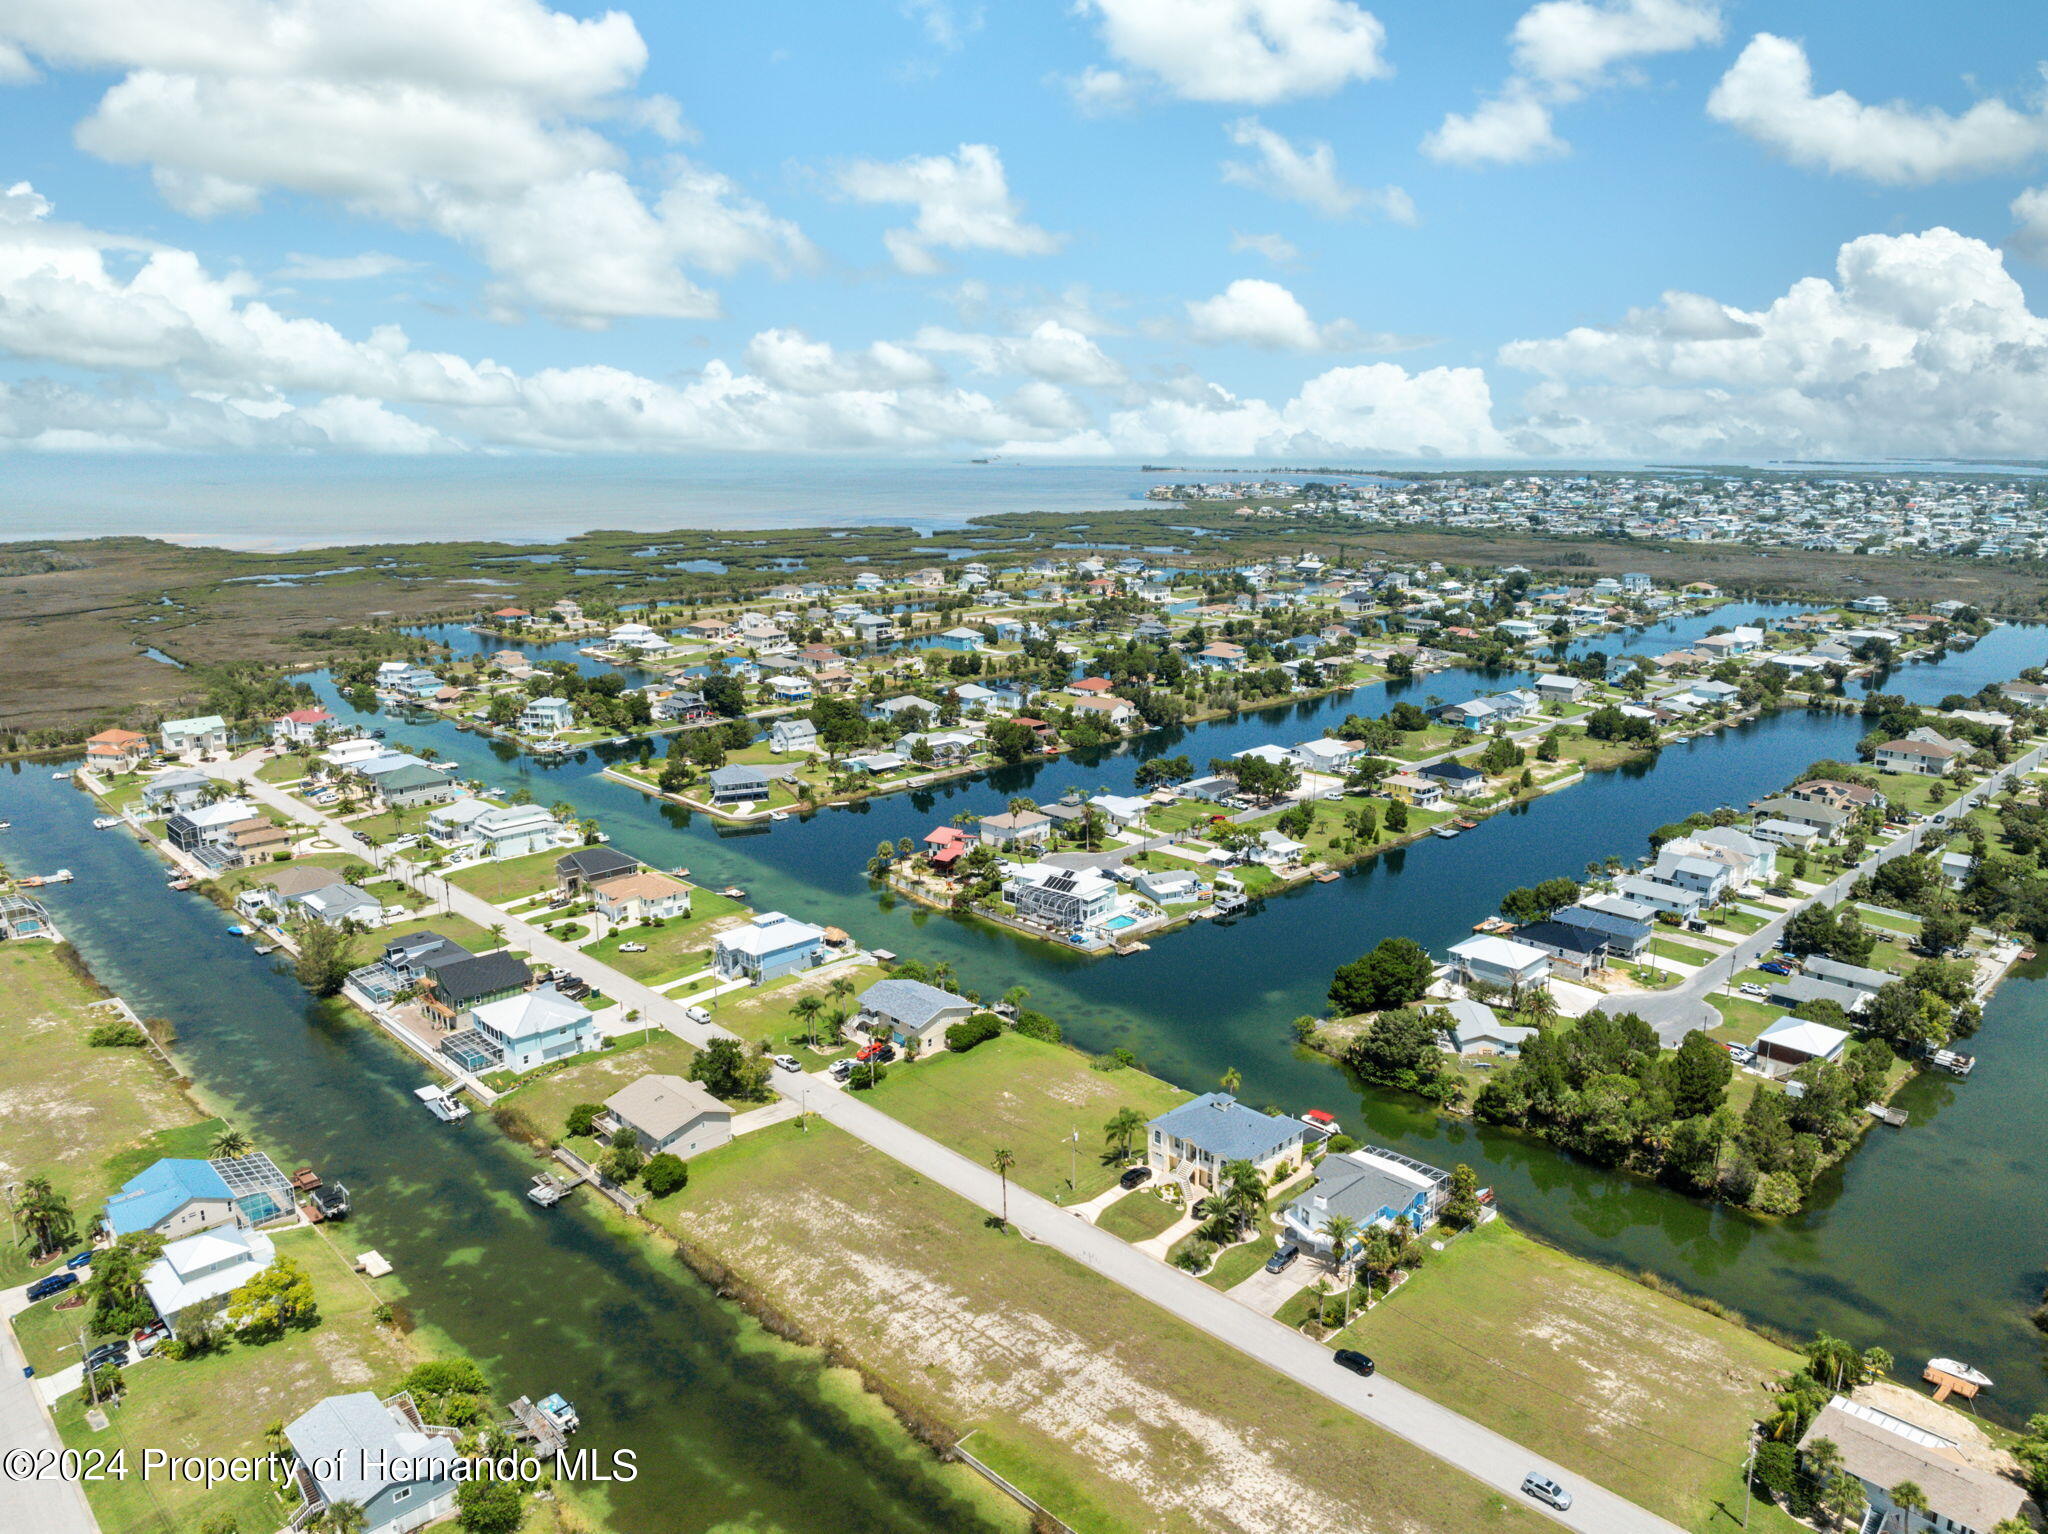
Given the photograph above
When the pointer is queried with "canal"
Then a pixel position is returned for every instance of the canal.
(1878, 1255)
(732, 1429)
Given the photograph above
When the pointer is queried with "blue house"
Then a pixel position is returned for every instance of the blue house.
(962, 639)
(1370, 1186)
(176, 1197)
(774, 946)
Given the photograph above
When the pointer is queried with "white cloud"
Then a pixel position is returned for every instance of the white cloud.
(1921, 345)
(299, 267)
(1252, 51)
(1096, 90)
(15, 69)
(1276, 248)
(788, 359)
(963, 202)
(1562, 49)
(471, 118)
(945, 26)
(1306, 175)
(1571, 44)
(1768, 94)
(1509, 129)
(2030, 211)
(1255, 312)
(1050, 351)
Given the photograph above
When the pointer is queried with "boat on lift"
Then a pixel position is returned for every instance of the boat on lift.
(106, 822)
(442, 1103)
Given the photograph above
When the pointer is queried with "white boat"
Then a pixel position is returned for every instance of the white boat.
(60, 775)
(778, 814)
(442, 1103)
(558, 1410)
(106, 822)
(1961, 1371)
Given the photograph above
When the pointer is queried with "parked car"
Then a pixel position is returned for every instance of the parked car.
(1355, 1361)
(1545, 1490)
(632, 948)
(697, 1014)
(1136, 1177)
(1775, 968)
(115, 1352)
(840, 1070)
(1751, 988)
(55, 1283)
(79, 1260)
(787, 1062)
(1283, 1259)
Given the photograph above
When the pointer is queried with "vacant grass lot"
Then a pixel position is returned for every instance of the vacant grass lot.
(1103, 1407)
(87, 1119)
(1679, 952)
(768, 1014)
(1028, 1097)
(508, 880)
(1642, 1392)
(1137, 1216)
(221, 1404)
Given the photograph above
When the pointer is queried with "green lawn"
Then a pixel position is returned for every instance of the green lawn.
(769, 1012)
(1747, 1016)
(1138, 1216)
(222, 1403)
(1643, 1393)
(1028, 1097)
(1238, 1263)
(1741, 922)
(1910, 925)
(510, 879)
(543, 1103)
(457, 929)
(235, 880)
(1664, 947)
(1025, 1348)
(284, 769)
(1433, 741)
(86, 1118)
(677, 947)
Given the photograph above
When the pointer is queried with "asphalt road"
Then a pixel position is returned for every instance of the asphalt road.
(46, 1504)
(1457, 1440)
(1683, 1008)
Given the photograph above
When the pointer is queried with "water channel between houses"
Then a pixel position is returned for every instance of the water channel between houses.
(1927, 1241)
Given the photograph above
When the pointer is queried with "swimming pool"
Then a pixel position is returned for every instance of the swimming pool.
(1118, 923)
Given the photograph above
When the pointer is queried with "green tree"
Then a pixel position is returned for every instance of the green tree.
(119, 1303)
(725, 1071)
(488, 1507)
(1698, 1073)
(343, 1517)
(1002, 1161)
(230, 1142)
(1397, 971)
(47, 1224)
(1124, 1127)
(583, 1118)
(325, 957)
(1461, 1207)
(664, 1173)
(1397, 816)
(278, 1297)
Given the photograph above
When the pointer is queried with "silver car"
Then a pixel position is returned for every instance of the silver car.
(1545, 1490)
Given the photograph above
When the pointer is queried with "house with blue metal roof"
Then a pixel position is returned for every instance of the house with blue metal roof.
(176, 1197)
(1193, 1142)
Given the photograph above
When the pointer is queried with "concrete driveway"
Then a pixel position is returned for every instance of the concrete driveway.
(1267, 1292)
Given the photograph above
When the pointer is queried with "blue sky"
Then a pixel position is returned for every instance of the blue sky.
(1116, 228)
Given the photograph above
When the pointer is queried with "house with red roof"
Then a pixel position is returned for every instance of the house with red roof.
(299, 726)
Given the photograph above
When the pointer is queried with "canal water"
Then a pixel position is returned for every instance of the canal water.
(1875, 1257)
(731, 1430)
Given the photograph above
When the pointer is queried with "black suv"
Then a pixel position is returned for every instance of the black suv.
(1355, 1361)
(1136, 1177)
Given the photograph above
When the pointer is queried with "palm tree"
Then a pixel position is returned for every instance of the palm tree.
(1022, 804)
(1342, 1231)
(943, 974)
(1242, 1194)
(1232, 1080)
(1002, 1161)
(46, 1215)
(230, 1142)
(344, 1518)
(275, 1441)
(1909, 1499)
(808, 1008)
(1126, 1126)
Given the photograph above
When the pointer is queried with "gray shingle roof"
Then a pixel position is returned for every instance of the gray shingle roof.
(1227, 1129)
(910, 1003)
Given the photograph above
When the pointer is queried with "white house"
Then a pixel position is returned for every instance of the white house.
(1068, 898)
(1883, 1451)
(204, 1267)
(200, 735)
(797, 734)
(632, 898)
(912, 1012)
(547, 716)
(535, 1027)
(1499, 961)
(774, 945)
(1326, 755)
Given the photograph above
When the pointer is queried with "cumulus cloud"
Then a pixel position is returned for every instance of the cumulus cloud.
(1768, 94)
(477, 119)
(1050, 351)
(1252, 51)
(1306, 175)
(1096, 90)
(2030, 215)
(1255, 312)
(963, 202)
(299, 267)
(1562, 49)
(1921, 344)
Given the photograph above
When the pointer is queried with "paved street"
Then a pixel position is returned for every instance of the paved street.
(1677, 1012)
(1476, 1450)
(48, 1505)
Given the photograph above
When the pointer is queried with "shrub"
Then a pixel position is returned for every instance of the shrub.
(1036, 1025)
(583, 1118)
(978, 1029)
(664, 1174)
(1337, 1145)
(115, 1034)
(865, 1076)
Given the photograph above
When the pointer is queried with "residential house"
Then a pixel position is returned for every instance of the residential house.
(774, 945)
(1114, 711)
(668, 1113)
(1625, 936)
(1370, 1186)
(1956, 868)
(1459, 780)
(202, 831)
(1029, 827)
(798, 734)
(1412, 788)
(576, 871)
(964, 640)
(497, 830)
(300, 726)
(208, 1265)
(1709, 878)
(907, 711)
(1556, 687)
(912, 1013)
(1194, 1142)
(271, 898)
(460, 985)
(1659, 896)
(1121, 809)
(410, 785)
(738, 783)
(547, 716)
(1884, 1452)
(1499, 961)
(1169, 886)
(1842, 796)
(1825, 820)
(1221, 656)
(629, 899)
(173, 1197)
(1794, 991)
(1784, 833)
(1328, 756)
(532, 1028)
(1474, 1028)
(1575, 951)
(333, 904)
(1857, 977)
(1066, 899)
(873, 629)
(377, 1456)
(940, 746)
(116, 750)
(201, 735)
(1929, 758)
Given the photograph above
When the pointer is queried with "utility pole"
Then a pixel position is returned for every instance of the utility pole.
(1074, 1159)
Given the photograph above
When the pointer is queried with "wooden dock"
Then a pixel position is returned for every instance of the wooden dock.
(1896, 1117)
(533, 1426)
(1946, 1384)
